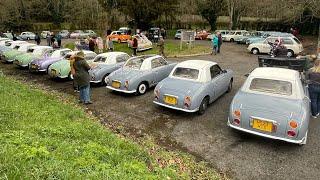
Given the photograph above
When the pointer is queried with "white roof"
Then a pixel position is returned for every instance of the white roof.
(108, 54)
(196, 64)
(275, 73)
(42, 47)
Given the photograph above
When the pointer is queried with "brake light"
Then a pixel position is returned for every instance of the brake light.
(156, 94)
(291, 133)
(293, 124)
(187, 102)
(237, 113)
(126, 84)
(236, 121)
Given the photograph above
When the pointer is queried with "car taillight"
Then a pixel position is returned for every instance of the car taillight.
(126, 84)
(293, 124)
(236, 121)
(156, 94)
(187, 102)
(237, 113)
(291, 133)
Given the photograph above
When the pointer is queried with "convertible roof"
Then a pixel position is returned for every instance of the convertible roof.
(197, 64)
(275, 73)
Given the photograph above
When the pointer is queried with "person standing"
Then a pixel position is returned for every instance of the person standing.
(215, 43)
(48, 39)
(100, 44)
(52, 39)
(92, 44)
(37, 39)
(110, 44)
(59, 37)
(219, 42)
(82, 77)
(161, 47)
(135, 46)
(313, 77)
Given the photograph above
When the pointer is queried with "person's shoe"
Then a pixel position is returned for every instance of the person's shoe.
(87, 103)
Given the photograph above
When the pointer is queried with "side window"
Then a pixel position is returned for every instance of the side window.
(119, 33)
(162, 61)
(215, 70)
(287, 41)
(155, 63)
(238, 33)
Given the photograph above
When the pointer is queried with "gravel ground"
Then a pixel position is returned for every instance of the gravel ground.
(238, 155)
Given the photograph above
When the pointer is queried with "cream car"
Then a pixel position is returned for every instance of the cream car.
(293, 45)
(232, 35)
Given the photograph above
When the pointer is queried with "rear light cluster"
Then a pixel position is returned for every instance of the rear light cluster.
(187, 102)
(126, 84)
(156, 94)
(237, 115)
(293, 125)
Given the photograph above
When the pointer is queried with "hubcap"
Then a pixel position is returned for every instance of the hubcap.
(142, 88)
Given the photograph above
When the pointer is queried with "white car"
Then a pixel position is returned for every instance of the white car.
(222, 32)
(12, 44)
(27, 35)
(44, 34)
(143, 42)
(232, 35)
(293, 45)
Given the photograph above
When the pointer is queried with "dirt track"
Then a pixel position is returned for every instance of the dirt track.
(239, 155)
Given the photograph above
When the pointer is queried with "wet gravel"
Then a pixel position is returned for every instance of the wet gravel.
(238, 155)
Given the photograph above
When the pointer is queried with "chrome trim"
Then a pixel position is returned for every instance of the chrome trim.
(176, 108)
(95, 81)
(302, 141)
(120, 90)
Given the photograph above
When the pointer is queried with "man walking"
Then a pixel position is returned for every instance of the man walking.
(59, 37)
(37, 39)
(215, 43)
(161, 47)
(219, 42)
(135, 46)
(82, 77)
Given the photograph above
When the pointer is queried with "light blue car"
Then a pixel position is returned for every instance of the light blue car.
(139, 74)
(193, 85)
(272, 103)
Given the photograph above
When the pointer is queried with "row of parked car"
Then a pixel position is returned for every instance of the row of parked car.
(257, 41)
(273, 102)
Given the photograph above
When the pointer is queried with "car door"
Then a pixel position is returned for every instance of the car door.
(265, 47)
(218, 81)
(158, 66)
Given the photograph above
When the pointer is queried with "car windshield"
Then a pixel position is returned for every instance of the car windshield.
(271, 86)
(186, 73)
(134, 63)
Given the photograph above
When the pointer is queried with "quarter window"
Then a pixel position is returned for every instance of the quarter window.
(215, 70)
(158, 62)
(122, 58)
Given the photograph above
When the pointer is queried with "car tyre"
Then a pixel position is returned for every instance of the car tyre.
(70, 76)
(142, 88)
(28, 38)
(103, 81)
(230, 86)
(231, 40)
(255, 51)
(203, 106)
(290, 53)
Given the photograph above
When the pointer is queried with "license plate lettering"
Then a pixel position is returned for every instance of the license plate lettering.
(262, 125)
(170, 100)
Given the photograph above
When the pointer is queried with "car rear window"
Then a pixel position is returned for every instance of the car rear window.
(271, 86)
(186, 73)
(297, 40)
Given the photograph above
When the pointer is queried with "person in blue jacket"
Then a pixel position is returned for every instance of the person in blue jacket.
(215, 43)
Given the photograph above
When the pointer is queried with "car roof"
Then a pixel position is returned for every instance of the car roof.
(41, 47)
(198, 64)
(275, 73)
(111, 54)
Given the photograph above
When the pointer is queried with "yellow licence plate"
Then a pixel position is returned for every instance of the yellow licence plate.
(262, 125)
(170, 100)
(116, 84)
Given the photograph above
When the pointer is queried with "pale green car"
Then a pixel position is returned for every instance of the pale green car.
(19, 49)
(61, 69)
(35, 52)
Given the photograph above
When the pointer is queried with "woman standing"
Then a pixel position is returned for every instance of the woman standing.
(313, 77)
(82, 77)
(100, 44)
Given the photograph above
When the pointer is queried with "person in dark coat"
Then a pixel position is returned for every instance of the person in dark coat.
(313, 77)
(59, 37)
(82, 77)
(219, 42)
(92, 44)
(135, 46)
(37, 39)
(52, 39)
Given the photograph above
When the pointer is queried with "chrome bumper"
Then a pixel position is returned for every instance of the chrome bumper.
(176, 108)
(120, 90)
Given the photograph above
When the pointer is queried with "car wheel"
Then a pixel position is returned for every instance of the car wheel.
(290, 53)
(142, 88)
(203, 106)
(103, 81)
(230, 86)
(231, 40)
(255, 51)
(70, 76)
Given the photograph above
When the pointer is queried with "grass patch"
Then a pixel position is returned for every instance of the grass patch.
(42, 137)
(172, 49)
